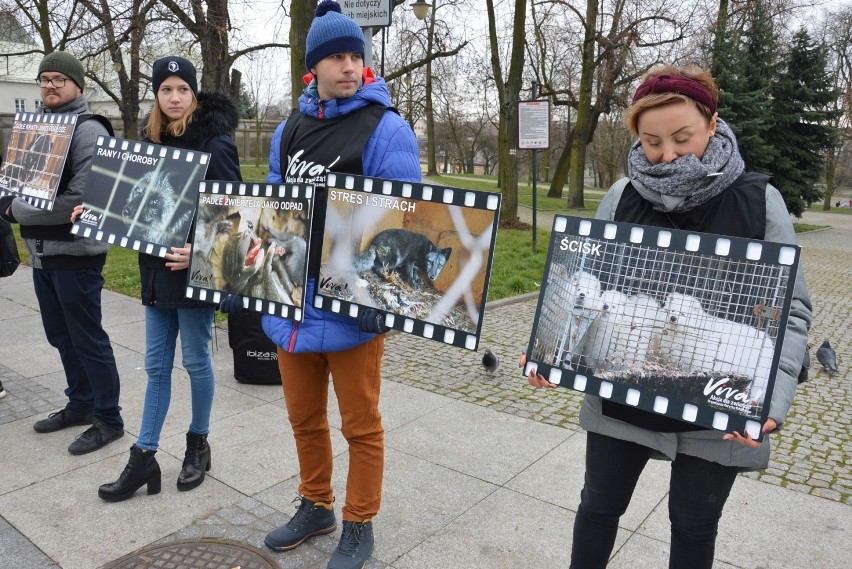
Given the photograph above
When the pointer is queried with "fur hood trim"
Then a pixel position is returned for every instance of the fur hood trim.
(217, 113)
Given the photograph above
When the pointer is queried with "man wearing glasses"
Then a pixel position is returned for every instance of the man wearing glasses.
(67, 270)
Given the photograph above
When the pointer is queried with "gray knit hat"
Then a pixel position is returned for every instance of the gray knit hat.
(65, 63)
(332, 32)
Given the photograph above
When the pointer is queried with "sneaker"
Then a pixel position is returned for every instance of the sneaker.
(95, 437)
(356, 545)
(310, 519)
(61, 420)
(2, 391)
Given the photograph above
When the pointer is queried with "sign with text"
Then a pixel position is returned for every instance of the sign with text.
(420, 254)
(252, 240)
(368, 13)
(533, 125)
(141, 196)
(677, 323)
(35, 158)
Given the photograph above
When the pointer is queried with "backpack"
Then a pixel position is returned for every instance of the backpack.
(9, 258)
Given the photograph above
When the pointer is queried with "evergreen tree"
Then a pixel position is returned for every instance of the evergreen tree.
(745, 73)
(248, 107)
(801, 99)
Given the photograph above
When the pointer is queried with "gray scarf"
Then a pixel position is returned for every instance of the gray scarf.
(687, 182)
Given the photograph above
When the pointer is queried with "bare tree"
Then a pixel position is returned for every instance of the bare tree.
(262, 97)
(617, 41)
(209, 23)
(120, 29)
(54, 22)
(508, 91)
(608, 150)
(838, 34)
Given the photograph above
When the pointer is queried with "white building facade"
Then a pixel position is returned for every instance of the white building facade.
(18, 89)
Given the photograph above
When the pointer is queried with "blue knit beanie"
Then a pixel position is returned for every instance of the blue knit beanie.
(331, 32)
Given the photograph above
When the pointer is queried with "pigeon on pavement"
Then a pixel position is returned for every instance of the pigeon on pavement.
(490, 362)
(827, 358)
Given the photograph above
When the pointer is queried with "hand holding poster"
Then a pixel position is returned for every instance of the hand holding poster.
(35, 158)
(420, 254)
(683, 324)
(252, 240)
(141, 196)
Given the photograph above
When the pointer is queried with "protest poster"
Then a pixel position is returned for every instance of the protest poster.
(140, 195)
(419, 253)
(679, 323)
(252, 240)
(34, 160)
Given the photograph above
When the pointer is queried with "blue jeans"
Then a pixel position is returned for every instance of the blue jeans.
(161, 330)
(698, 490)
(70, 304)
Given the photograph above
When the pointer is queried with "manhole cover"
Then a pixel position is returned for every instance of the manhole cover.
(196, 554)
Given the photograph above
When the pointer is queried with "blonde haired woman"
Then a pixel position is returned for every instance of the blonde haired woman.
(185, 118)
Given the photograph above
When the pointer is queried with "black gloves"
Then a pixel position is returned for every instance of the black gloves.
(371, 320)
(232, 304)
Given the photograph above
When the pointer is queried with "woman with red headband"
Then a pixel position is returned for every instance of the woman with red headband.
(684, 172)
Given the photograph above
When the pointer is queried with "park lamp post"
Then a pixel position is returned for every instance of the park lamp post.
(420, 9)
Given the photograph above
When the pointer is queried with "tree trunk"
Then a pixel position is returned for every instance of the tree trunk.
(560, 172)
(830, 170)
(507, 174)
(582, 128)
(216, 56)
(718, 38)
(301, 16)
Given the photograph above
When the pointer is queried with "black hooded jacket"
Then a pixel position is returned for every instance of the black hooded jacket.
(216, 117)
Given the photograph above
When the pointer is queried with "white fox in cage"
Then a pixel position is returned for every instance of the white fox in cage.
(645, 322)
(598, 341)
(584, 299)
(694, 340)
(624, 335)
(610, 331)
(689, 338)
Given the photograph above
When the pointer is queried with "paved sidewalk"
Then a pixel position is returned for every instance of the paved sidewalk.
(481, 472)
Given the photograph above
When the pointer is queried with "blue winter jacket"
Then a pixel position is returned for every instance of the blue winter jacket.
(391, 152)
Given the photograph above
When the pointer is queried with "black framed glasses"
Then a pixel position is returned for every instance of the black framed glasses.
(58, 82)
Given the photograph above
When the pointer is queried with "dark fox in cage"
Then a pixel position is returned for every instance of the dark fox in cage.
(636, 315)
(34, 160)
(29, 163)
(153, 211)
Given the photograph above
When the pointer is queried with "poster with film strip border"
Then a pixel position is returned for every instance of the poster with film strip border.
(141, 196)
(682, 324)
(420, 254)
(252, 240)
(35, 157)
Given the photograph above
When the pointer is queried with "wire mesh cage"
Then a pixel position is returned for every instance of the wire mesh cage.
(35, 157)
(642, 312)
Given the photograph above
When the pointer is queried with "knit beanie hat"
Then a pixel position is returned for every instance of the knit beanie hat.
(173, 65)
(331, 32)
(65, 63)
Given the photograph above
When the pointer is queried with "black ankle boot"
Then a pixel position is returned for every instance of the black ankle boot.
(195, 463)
(141, 469)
